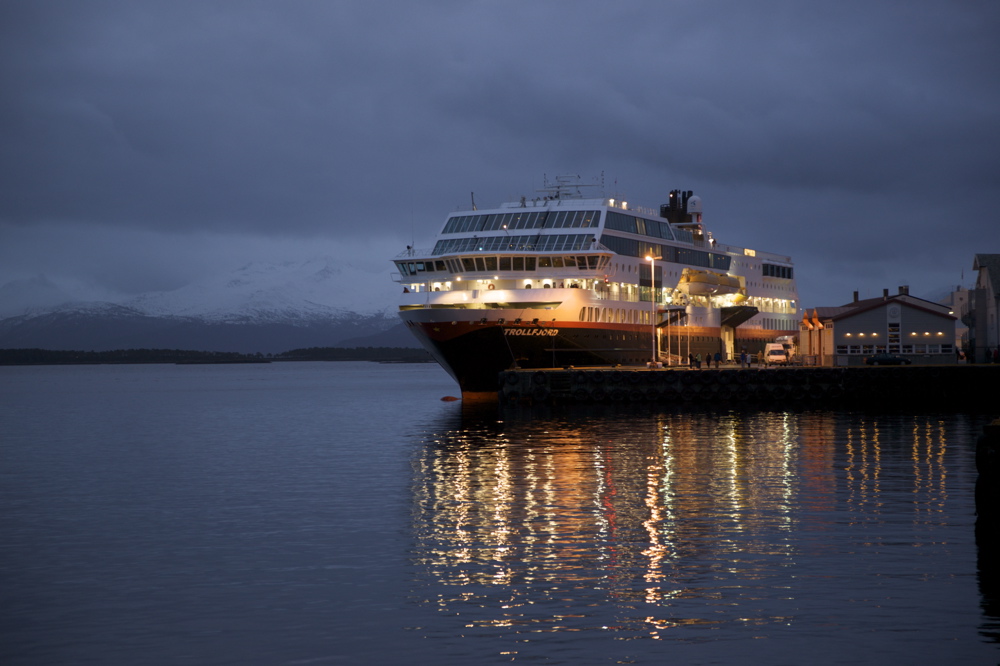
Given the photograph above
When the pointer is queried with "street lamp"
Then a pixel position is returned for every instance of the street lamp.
(652, 298)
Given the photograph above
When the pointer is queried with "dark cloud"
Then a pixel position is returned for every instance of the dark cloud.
(860, 138)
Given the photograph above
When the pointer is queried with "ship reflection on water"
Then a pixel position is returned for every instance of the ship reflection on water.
(696, 526)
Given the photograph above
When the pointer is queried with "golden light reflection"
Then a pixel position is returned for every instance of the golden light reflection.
(669, 519)
(927, 475)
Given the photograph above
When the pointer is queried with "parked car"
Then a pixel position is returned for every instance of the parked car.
(887, 359)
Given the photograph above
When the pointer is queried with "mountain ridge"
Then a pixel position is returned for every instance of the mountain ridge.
(266, 308)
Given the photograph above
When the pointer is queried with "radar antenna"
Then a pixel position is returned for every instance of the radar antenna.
(565, 187)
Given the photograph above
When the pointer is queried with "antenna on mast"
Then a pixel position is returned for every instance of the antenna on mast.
(473, 195)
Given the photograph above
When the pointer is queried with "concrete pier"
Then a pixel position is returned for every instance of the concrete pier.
(927, 388)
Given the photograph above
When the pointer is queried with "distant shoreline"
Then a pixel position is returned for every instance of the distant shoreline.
(190, 357)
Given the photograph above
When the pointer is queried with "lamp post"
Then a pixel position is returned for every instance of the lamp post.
(652, 298)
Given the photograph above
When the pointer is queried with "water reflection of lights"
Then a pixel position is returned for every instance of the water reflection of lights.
(927, 444)
(669, 520)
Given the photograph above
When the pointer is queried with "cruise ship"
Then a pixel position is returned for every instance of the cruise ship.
(566, 279)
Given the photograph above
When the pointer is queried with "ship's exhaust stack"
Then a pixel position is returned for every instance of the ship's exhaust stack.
(683, 210)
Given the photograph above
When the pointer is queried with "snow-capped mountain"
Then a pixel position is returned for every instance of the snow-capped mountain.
(268, 292)
(32, 294)
(258, 308)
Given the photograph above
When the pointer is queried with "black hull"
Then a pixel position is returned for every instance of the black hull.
(476, 357)
(475, 353)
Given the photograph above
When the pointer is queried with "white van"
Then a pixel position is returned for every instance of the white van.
(775, 354)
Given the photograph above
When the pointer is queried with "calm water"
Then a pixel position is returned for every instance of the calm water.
(341, 513)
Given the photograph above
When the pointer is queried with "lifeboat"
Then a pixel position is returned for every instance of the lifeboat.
(695, 282)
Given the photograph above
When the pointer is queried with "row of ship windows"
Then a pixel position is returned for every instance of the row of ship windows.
(494, 264)
(614, 315)
(576, 242)
(770, 270)
(567, 243)
(770, 323)
(564, 219)
(644, 227)
(667, 253)
(546, 219)
(767, 270)
(517, 243)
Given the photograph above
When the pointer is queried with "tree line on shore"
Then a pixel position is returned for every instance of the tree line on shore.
(76, 357)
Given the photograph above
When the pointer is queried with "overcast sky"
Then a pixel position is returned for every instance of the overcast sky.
(144, 144)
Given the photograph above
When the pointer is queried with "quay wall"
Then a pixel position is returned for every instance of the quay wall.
(957, 387)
